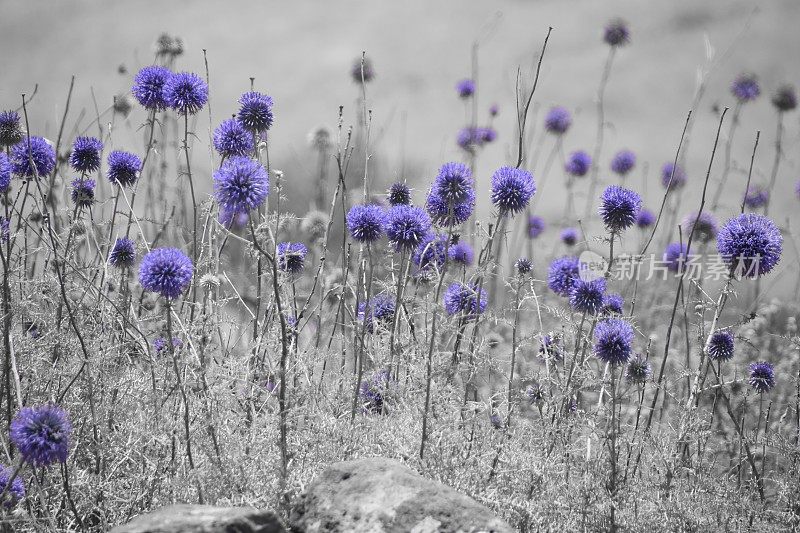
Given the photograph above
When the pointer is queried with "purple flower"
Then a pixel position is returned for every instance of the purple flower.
(569, 236)
(399, 194)
(756, 196)
(512, 189)
(461, 253)
(233, 219)
(494, 110)
(123, 168)
(612, 341)
(704, 226)
(365, 222)
(5, 173)
(562, 274)
(16, 491)
(638, 370)
(368, 70)
(617, 33)
(231, 138)
(645, 218)
(33, 159)
(83, 192)
(785, 98)
(463, 298)
(587, 296)
(623, 162)
(431, 252)
(672, 176)
(166, 271)
(85, 155)
(745, 88)
(406, 226)
(148, 87)
(291, 256)
(578, 163)
(619, 208)
(381, 311)
(465, 88)
(123, 254)
(751, 244)
(612, 304)
(453, 183)
(255, 111)
(447, 214)
(675, 256)
(721, 346)
(536, 226)
(523, 266)
(558, 120)
(41, 434)
(185, 92)
(241, 185)
(373, 391)
(10, 131)
(762, 376)
(551, 347)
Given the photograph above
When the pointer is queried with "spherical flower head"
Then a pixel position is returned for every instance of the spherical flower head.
(83, 192)
(148, 87)
(41, 434)
(430, 253)
(587, 296)
(751, 244)
(365, 222)
(33, 158)
(486, 135)
(612, 304)
(381, 311)
(373, 390)
(406, 226)
(5, 173)
(16, 491)
(448, 214)
(494, 110)
(161, 346)
(512, 189)
(558, 120)
(453, 183)
(745, 88)
(704, 226)
(562, 275)
(241, 185)
(463, 298)
(672, 176)
(365, 72)
(291, 256)
(619, 208)
(535, 394)
(166, 271)
(536, 226)
(255, 111)
(85, 155)
(465, 88)
(468, 139)
(612, 341)
(462, 253)
(756, 196)
(721, 346)
(231, 139)
(762, 376)
(623, 162)
(10, 130)
(578, 163)
(123, 254)
(645, 218)
(675, 256)
(185, 92)
(569, 236)
(123, 168)
(638, 370)
(785, 98)
(399, 194)
(523, 266)
(617, 33)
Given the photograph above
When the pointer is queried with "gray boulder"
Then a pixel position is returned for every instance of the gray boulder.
(382, 495)
(203, 519)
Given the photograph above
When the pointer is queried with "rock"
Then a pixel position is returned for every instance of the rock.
(382, 495)
(203, 519)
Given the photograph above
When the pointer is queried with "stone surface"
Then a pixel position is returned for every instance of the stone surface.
(382, 495)
(203, 519)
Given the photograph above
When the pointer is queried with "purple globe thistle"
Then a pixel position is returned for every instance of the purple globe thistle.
(461, 253)
(123, 168)
(399, 194)
(762, 376)
(704, 226)
(751, 244)
(638, 370)
(160, 344)
(85, 155)
(255, 111)
(233, 219)
(745, 88)
(463, 298)
(785, 98)
(587, 296)
(468, 139)
(523, 266)
(617, 33)
(406, 226)
(148, 87)
(123, 254)
(535, 393)
(569, 236)
(672, 176)
(512, 189)
(612, 304)
(536, 226)
(675, 256)
(558, 120)
(612, 341)
(373, 391)
(431, 252)
(185, 92)
(5, 173)
(33, 158)
(10, 130)
(619, 208)
(578, 163)
(231, 138)
(465, 88)
(365, 222)
(551, 347)
(291, 256)
(83, 192)
(487, 135)
(381, 311)
(721, 346)
(494, 110)
(623, 162)
(166, 271)
(241, 185)
(453, 183)
(447, 214)
(368, 70)
(645, 218)
(16, 491)
(756, 196)
(41, 434)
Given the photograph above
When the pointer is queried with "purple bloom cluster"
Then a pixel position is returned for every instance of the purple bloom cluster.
(231, 139)
(562, 274)
(756, 196)
(462, 253)
(465, 88)
(613, 338)
(10, 131)
(578, 163)
(619, 208)
(704, 226)
(472, 138)
(675, 256)
(16, 491)
(745, 88)
(406, 226)
(672, 176)
(551, 347)
(33, 158)
(123, 254)
(365, 222)
(85, 155)
(291, 256)
(751, 244)
(612, 304)
(762, 376)
(645, 218)
(523, 266)
(638, 370)
(399, 194)
(512, 189)
(123, 168)
(379, 311)
(451, 199)
(430, 253)
(148, 87)
(536, 226)
(587, 296)
(160, 344)
(623, 162)
(255, 111)
(373, 391)
(569, 236)
(166, 271)
(42, 434)
(82, 193)
(558, 120)
(463, 298)
(240, 185)
(185, 92)
(721, 346)
(5, 173)
(617, 33)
